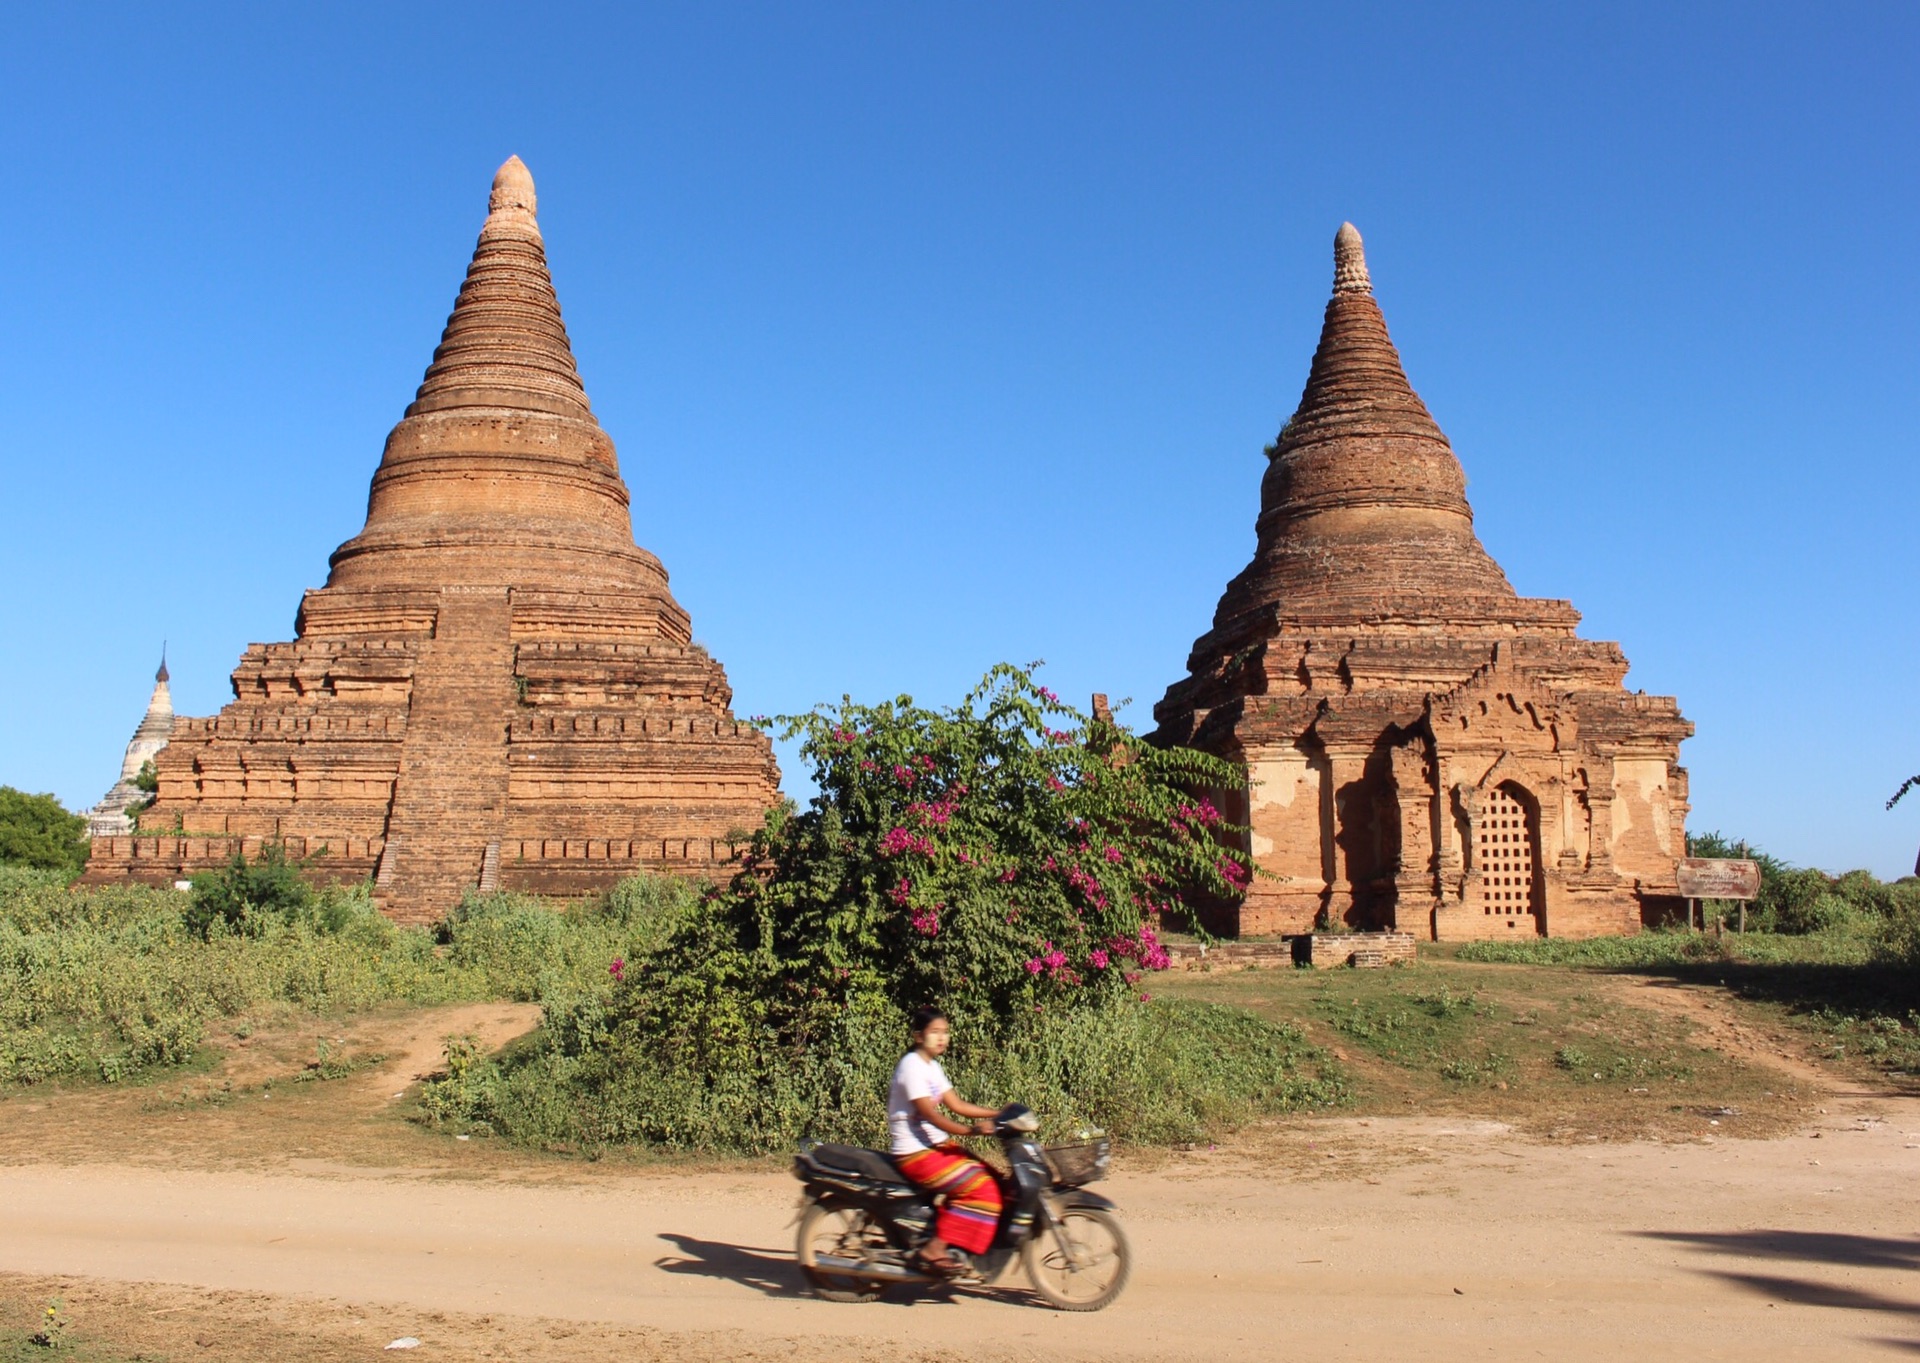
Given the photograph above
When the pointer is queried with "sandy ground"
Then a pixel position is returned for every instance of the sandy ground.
(1431, 1240)
(1351, 1237)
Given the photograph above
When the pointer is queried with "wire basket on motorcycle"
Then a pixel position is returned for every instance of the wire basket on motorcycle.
(1082, 1160)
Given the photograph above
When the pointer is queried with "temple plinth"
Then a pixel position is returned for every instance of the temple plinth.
(495, 688)
(1428, 750)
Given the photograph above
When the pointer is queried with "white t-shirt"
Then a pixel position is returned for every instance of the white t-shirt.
(914, 1077)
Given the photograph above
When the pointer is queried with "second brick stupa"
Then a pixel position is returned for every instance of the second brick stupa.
(495, 687)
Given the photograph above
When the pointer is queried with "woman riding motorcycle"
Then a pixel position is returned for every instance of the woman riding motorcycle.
(924, 1151)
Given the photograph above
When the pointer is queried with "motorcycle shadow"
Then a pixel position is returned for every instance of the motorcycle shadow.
(771, 1272)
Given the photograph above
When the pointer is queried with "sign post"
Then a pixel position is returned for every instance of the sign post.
(1718, 878)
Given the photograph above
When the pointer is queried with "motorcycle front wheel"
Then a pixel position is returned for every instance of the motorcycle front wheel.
(1081, 1262)
(845, 1232)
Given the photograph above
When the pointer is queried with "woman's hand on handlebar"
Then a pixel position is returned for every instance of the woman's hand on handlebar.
(983, 1126)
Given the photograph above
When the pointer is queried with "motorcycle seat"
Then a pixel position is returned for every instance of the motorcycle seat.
(854, 1160)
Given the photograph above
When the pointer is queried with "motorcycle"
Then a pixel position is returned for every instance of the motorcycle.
(861, 1221)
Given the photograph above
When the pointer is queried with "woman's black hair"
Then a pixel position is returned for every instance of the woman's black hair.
(924, 1017)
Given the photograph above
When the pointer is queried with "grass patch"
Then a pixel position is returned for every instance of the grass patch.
(1850, 945)
(111, 983)
(1555, 1051)
(1154, 1073)
(1857, 1004)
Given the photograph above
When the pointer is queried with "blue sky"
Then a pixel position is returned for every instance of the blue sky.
(937, 335)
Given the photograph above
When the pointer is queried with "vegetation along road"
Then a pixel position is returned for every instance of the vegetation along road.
(243, 1212)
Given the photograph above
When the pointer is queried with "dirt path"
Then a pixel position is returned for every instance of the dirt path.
(417, 1049)
(1720, 1024)
(1486, 1246)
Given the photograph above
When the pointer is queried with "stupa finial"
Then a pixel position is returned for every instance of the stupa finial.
(513, 187)
(161, 675)
(1350, 261)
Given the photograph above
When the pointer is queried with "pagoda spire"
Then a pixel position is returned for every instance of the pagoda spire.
(1350, 261)
(1363, 506)
(498, 474)
(505, 344)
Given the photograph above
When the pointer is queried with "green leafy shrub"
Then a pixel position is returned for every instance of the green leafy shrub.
(529, 948)
(1158, 1072)
(246, 895)
(978, 857)
(114, 980)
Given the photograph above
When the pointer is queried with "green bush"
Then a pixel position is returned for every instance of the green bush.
(247, 896)
(1157, 1072)
(978, 857)
(531, 949)
(37, 831)
(113, 980)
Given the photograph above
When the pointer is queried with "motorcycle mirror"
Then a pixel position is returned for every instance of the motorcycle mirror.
(1018, 1117)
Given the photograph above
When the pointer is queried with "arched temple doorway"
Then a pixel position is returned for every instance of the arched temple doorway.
(1507, 857)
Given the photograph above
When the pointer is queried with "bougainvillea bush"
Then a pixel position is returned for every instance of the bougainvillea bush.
(1005, 856)
(1008, 859)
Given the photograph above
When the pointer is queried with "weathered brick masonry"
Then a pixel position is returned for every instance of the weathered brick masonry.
(1429, 750)
(495, 687)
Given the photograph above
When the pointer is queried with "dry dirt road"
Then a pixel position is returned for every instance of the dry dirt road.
(1390, 1238)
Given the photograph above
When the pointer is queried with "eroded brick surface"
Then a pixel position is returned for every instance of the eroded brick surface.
(1429, 750)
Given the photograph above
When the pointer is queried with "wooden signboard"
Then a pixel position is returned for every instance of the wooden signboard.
(1718, 878)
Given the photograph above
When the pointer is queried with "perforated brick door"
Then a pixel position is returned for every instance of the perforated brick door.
(1507, 841)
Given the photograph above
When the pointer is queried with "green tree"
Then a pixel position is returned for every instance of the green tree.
(243, 895)
(37, 830)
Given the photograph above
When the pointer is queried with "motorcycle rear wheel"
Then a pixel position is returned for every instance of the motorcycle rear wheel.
(1080, 1264)
(840, 1231)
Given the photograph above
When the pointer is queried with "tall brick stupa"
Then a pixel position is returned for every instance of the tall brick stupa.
(496, 687)
(1428, 749)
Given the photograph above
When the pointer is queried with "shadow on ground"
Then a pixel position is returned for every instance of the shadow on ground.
(771, 1272)
(1901, 1254)
(1817, 1247)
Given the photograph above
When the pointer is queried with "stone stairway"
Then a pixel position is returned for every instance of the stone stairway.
(450, 801)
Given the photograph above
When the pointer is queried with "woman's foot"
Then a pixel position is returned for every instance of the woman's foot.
(938, 1263)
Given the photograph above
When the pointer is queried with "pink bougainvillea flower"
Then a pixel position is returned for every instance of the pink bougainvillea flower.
(1113, 853)
(618, 968)
(1098, 958)
(901, 840)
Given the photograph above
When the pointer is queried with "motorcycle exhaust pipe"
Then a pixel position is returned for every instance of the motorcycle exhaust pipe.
(855, 1268)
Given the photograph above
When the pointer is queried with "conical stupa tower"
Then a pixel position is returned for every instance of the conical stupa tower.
(495, 688)
(114, 814)
(1428, 749)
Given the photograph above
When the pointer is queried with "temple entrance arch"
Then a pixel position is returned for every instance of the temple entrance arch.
(1506, 847)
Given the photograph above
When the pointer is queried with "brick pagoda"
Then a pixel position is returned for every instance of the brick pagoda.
(495, 688)
(1428, 749)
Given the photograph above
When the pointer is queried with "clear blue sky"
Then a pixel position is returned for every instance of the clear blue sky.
(937, 335)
